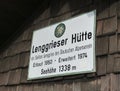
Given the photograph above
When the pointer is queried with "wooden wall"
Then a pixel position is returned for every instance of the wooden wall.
(14, 58)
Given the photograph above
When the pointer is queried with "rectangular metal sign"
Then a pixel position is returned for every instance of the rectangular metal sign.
(65, 48)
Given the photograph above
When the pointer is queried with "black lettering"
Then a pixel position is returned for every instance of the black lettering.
(74, 38)
(78, 37)
(62, 42)
(54, 44)
(33, 49)
(46, 47)
(89, 35)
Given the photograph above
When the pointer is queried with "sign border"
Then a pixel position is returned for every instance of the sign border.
(75, 73)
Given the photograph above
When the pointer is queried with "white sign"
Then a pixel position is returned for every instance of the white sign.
(65, 48)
